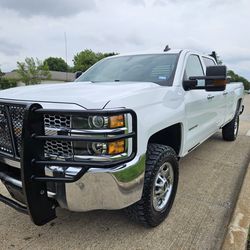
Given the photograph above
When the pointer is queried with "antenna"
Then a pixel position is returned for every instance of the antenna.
(167, 48)
(214, 55)
(66, 54)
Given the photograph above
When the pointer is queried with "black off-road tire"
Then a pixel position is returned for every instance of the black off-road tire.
(143, 211)
(230, 130)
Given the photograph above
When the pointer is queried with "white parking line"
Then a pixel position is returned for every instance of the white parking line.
(248, 132)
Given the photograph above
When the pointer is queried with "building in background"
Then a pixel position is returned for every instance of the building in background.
(56, 77)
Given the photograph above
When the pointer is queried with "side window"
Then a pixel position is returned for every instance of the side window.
(194, 68)
(208, 61)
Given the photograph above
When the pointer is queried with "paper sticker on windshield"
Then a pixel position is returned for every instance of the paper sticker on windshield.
(162, 77)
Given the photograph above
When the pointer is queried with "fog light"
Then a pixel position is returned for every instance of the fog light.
(97, 148)
(117, 147)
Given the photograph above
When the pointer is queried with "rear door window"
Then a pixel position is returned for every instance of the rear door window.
(208, 61)
(194, 68)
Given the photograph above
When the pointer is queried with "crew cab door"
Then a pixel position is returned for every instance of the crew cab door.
(230, 103)
(217, 100)
(199, 119)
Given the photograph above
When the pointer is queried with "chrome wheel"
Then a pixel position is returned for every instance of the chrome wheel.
(163, 186)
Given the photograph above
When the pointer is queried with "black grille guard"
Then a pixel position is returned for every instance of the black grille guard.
(39, 206)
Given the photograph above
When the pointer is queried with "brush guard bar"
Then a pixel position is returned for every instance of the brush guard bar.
(39, 206)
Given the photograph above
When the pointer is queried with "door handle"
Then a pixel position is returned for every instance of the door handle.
(210, 97)
(225, 93)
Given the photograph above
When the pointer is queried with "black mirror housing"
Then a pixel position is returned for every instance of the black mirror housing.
(218, 70)
(189, 84)
(78, 74)
(216, 78)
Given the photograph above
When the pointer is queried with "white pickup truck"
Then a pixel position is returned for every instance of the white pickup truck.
(112, 139)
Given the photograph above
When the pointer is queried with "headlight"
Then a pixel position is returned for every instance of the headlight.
(111, 148)
(99, 122)
(97, 148)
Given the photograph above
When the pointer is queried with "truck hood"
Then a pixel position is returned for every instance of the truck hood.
(86, 94)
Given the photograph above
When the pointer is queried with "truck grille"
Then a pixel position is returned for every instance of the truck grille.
(17, 116)
(13, 115)
(5, 141)
(57, 149)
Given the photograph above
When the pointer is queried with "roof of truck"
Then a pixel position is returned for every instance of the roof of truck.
(147, 52)
(171, 51)
(161, 52)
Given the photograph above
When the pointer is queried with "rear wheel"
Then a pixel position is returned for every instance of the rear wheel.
(160, 185)
(230, 130)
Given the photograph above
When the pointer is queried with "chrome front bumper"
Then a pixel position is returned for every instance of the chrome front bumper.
(42, 182)
(113, 188)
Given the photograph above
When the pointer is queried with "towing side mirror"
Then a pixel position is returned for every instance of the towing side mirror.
(215, 79)
(190, 84)
(78, 74)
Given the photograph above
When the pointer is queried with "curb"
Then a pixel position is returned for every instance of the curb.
(237, 234)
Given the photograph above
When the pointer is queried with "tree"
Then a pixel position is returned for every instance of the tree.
(1, 73)
(7, 83)
(85, 59)
(237, 78)
(231, 73)
(32, 71)
(56, 64)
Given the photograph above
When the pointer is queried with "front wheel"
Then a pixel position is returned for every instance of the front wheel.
(160, 186)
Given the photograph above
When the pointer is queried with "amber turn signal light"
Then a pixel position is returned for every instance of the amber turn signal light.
(116, 121)
(219, 82)
(116, 147)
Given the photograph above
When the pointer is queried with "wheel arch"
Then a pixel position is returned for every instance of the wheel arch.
(239, 102)
(171, 136)
(238, 105)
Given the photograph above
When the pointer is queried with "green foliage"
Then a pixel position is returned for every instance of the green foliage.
(1, 73)
(237, 78)
(32, 71)
(7, 83)
(219, 61)
(56, 64)
(233, 75)
(248, 243)
(85, 59)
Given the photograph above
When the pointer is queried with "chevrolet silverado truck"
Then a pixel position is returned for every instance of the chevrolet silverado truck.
(113, 138)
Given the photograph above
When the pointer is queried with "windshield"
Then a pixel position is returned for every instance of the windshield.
(157, 68)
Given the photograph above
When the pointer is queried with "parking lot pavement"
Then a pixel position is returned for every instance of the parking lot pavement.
(210, 180)
(237, 235)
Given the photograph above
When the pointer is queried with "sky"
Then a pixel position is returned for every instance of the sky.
(30, 28)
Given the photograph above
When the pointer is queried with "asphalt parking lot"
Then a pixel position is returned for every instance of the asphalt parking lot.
(210, 180)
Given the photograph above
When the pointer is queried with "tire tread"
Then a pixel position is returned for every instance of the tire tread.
(140, 211)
